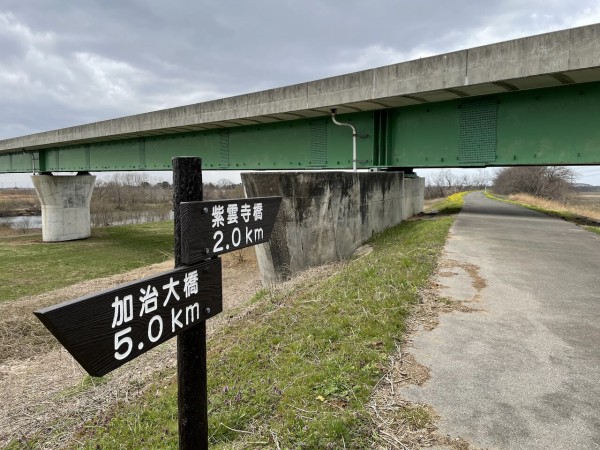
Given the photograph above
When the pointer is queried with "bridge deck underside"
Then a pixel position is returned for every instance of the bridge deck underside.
(550, 126)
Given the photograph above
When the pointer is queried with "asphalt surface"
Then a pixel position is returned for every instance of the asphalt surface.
(523, 370)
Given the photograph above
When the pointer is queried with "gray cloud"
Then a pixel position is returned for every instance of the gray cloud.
(66, 63)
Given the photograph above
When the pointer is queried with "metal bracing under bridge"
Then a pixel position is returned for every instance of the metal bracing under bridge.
(531, 101)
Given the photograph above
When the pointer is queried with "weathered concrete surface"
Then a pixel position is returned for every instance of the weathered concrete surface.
(65, 204)
(326, 216)
(551, 59)
(523, 372)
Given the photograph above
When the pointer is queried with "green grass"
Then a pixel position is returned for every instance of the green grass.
(29, 266)
(502, 198)
(86, 382)
(593, 229)
(450, 205)
(298, 370)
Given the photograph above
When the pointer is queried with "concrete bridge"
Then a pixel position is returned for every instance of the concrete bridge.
(532, 101)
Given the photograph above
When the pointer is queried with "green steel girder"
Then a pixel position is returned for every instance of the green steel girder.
(298, 144)
(550, 126)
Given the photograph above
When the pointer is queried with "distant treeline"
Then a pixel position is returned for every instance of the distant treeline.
(445, 183)
(123, 198)
(582, 187)
(223, 189)
(121, 192)
(551, 182)
(135, 197)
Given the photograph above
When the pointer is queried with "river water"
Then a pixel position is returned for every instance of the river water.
(28, 222)
(22, 221)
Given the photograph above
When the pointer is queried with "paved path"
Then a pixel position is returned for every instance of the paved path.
(523, 372)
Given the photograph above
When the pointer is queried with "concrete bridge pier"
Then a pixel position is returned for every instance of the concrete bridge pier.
(326, 216)
(65, 204)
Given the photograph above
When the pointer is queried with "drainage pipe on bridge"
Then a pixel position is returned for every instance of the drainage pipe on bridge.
(333, 111)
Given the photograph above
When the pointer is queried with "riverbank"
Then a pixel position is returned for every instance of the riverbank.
(17, 202)
(21, 212)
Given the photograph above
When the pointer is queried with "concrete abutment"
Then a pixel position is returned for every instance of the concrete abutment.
(326, 216)
(65, 204)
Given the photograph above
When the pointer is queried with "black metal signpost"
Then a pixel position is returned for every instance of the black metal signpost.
(105, 330)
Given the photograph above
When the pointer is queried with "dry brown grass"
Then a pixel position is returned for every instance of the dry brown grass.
(17, 199)
(21, 230)
(5, 230)
(552, 205)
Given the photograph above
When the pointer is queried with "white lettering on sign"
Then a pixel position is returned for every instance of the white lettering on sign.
(171, 290)
(123, 312)
(257, 211)
(175, 320)
(153, 334)
(244, 213)
(189, 313)
(149, 300)
(236, 237)
(120, 341)
(219, 238)
(254, 233)
(190, 283)
(232, 213)
(217, 216)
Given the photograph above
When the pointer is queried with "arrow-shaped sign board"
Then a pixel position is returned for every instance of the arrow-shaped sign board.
(105, 330)
(215, 227)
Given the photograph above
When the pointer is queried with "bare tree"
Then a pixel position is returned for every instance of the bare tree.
(552, 182)
(24, 224)
(135, 197)
(445, 182)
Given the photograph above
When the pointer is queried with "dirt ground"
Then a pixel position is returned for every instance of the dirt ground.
(46, 395)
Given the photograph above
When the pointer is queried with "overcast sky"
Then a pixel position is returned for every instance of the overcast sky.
(68, 63)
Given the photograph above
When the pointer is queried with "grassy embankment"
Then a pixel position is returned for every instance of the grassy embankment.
(449, 205)
(588, 217)
(298, 370)
(29, 266)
